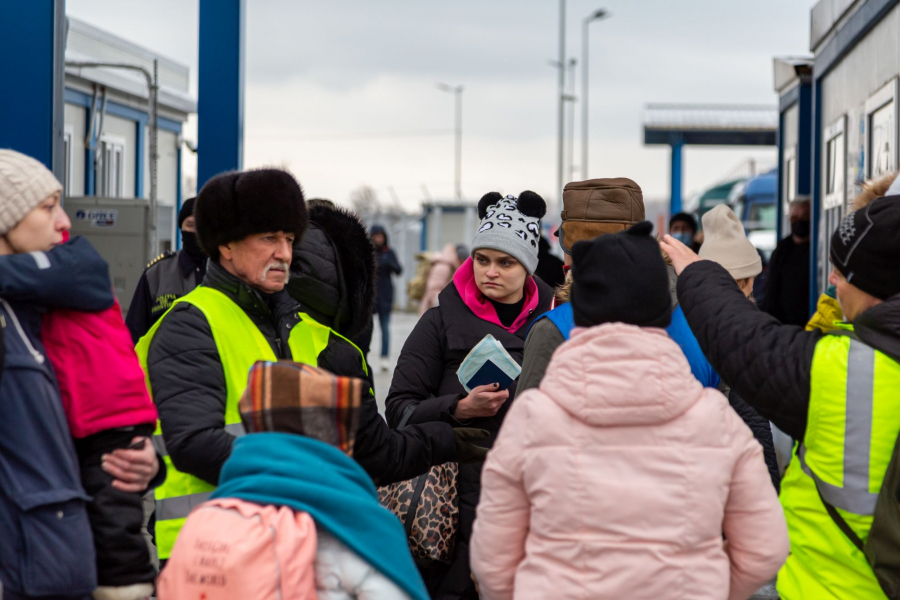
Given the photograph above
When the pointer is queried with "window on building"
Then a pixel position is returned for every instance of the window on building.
(68, 133)
(790, 176)
(835, 165)
(882, 140)
(111, 167)
(881, 131)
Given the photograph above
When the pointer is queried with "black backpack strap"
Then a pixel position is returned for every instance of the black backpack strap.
(846, 333)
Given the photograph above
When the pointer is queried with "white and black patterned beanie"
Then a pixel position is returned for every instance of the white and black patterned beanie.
(511, 225)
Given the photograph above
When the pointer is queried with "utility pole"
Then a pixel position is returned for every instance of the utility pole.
(596, 16)
(457, 92)
(562, 108)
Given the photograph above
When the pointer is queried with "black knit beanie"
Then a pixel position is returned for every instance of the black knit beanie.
(234, 205)
(621, 278)
(865, 248)
(187, 210)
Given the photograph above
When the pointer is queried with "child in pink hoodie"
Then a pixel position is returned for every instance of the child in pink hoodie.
(621, 476)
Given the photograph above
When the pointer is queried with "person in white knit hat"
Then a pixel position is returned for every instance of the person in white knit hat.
(26, 184)
(47, 504)
(725, 242)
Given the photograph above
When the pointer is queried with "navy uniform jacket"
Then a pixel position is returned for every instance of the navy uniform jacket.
(167, 278)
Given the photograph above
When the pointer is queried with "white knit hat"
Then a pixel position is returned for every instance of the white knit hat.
(24, 183)
(724, 242)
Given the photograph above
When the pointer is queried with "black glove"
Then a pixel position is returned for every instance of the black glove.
(466, 451)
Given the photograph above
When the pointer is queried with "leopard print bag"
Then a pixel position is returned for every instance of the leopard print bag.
(428, 507)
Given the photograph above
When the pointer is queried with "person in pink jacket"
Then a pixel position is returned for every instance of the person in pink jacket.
(621, 476)
(443, 266)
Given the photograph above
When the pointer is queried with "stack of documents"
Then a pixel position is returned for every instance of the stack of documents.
(488, 363)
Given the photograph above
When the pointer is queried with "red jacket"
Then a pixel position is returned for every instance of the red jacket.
(100, 379)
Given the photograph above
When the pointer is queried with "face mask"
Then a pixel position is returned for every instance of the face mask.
(685, 237)
(800, 229)
(191, 246)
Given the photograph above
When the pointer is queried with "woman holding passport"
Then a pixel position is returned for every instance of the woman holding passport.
(493, 293)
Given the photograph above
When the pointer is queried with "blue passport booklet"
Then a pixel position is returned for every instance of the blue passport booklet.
(488, 363)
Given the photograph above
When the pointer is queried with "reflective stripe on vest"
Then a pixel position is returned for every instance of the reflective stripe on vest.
(240, 344)
(852, 426)
(235, 429)
(854, 495)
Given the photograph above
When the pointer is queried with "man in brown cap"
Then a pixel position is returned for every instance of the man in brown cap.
(590, 209)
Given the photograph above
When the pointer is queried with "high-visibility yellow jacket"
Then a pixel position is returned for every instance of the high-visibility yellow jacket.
(853, 422)
(240, 344)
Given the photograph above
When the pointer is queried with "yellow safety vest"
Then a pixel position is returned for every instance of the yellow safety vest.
(240, 345)
(852, 426)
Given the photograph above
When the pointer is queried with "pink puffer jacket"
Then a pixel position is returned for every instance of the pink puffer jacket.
(618, 477)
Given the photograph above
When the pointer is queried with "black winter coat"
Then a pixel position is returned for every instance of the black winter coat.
(550, 268)
(426, 378)
(189, 390)
(335, 285)
(166, 278)
(787, 290)
(762, 431)
(768, 364)
(388, 265)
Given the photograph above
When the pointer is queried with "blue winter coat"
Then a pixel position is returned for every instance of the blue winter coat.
(46, 547)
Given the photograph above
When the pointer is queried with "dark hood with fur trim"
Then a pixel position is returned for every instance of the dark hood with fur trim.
(335, 282)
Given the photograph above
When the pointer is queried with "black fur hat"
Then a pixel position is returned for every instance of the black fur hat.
(233, 205)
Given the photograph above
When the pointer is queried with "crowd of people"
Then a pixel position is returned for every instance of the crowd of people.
(668, 437)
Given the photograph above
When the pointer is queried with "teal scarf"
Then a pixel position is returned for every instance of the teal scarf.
(304, 474)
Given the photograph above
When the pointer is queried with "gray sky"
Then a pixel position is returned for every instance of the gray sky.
(342, 92)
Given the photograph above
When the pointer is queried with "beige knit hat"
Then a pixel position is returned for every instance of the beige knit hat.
(24, 183)
(724, 242)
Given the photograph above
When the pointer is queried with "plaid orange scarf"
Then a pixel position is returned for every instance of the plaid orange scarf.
(296, 398)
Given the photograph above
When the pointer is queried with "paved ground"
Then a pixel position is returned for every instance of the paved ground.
(401, 326)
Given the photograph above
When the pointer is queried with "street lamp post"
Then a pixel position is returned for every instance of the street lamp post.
(571, 98)
(457, 91)
(595, 16)
(562, 102)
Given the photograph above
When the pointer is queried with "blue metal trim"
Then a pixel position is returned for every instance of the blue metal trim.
(854, 30)
(694, 137)
(220, 133)
(804, 140)
(789, 98)
(77, 98)
(178, 198)
(780, 191)
(27, 55)
(676, 174)
(89, 176)
(815, 196)
(139, 155)
(169, 125)
(120, 110)
(126, 112)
